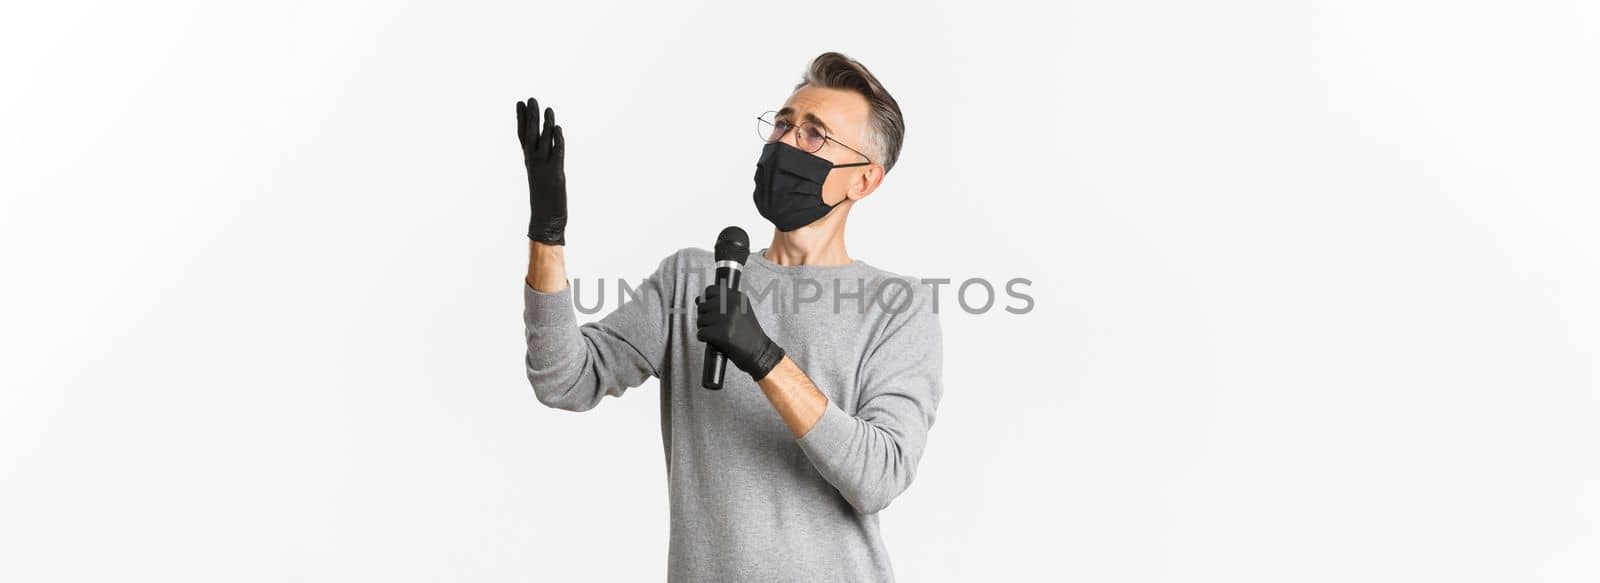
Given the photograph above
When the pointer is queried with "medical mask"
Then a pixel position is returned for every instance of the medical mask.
(789, 186)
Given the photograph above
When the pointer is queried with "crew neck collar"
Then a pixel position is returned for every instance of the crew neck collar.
(760, 258)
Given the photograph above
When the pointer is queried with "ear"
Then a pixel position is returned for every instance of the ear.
(866, 182)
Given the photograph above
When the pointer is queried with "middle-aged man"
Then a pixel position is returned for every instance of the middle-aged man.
(846, 354)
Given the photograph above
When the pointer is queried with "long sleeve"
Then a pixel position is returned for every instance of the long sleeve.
(572, 367)
(872, 456)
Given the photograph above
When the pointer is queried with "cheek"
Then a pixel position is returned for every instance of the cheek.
(835, 187)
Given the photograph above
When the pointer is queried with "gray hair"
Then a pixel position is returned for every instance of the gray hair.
(886, 128)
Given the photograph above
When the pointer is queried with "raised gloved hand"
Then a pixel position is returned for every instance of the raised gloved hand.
(543, 152)
(727, 322)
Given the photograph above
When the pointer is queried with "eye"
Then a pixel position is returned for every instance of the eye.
(779, 128)
(811, 137)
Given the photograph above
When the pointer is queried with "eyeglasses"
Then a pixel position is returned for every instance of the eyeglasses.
(809, 137)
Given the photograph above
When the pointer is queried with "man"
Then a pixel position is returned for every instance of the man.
(846, 354)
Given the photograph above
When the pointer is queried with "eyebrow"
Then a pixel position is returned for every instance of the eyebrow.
(811, 117)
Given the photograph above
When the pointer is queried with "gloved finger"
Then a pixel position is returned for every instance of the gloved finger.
(522, 114)
(547, 134)
(531, 122)
(558, 150)
(726, 298)
(701, 335)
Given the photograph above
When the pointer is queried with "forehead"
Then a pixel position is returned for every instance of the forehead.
(838, 109)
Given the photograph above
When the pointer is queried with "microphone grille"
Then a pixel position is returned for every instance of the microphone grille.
(733, 245)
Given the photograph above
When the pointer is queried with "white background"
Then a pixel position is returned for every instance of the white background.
(1315, 283)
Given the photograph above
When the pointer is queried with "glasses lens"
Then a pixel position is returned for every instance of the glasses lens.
(768, 127)
(811, 137)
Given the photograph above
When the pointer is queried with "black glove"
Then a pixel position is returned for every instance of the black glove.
(543, 153)
(727, 323)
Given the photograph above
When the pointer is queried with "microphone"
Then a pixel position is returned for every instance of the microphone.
(733, 248)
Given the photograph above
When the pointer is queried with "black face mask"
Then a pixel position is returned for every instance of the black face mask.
(789, 186)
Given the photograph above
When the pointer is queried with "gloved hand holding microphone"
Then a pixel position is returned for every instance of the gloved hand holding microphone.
(726, 321)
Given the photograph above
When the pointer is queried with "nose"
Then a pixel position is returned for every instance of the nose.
(791, 136)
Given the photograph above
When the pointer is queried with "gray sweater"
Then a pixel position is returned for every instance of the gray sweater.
(749, 501)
